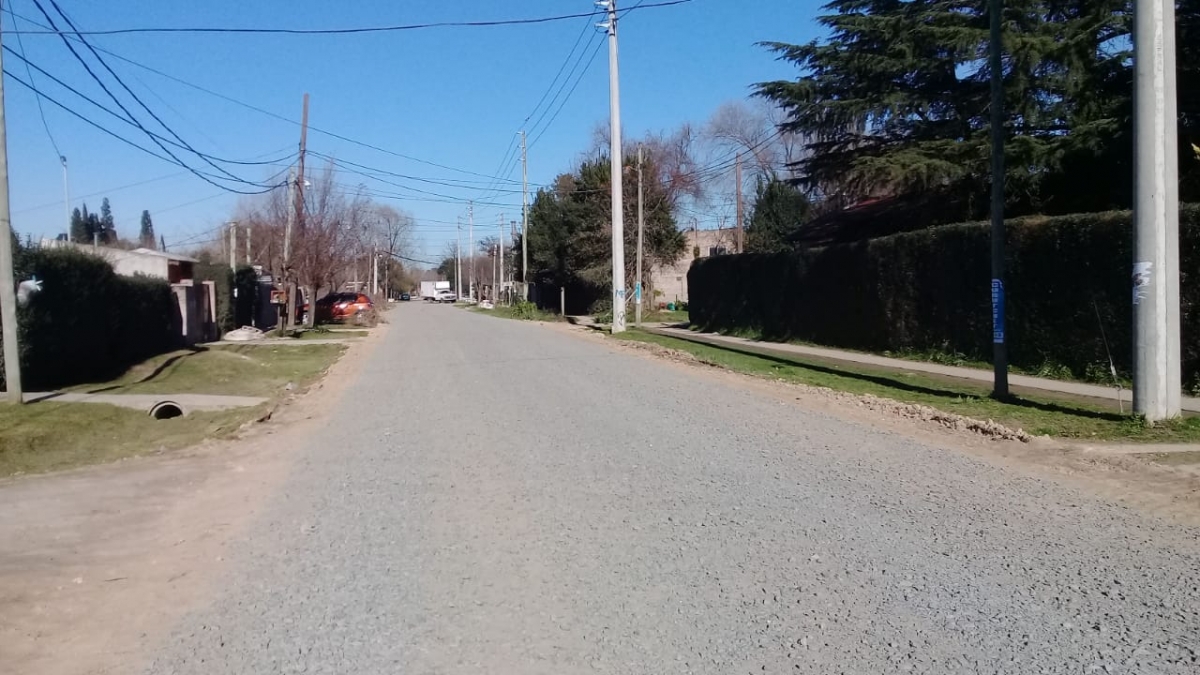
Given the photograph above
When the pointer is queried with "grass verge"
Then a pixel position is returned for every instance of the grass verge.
(1037, 414)
(50, 436)
(519, 312)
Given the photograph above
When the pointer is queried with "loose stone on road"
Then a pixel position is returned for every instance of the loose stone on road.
(497, 497)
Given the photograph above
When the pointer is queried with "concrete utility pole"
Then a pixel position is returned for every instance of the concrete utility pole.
(524, 218)
(618, 206)
(374, 271)
(637, 309)
(66, 194)
(1157, 379)
(500, 257)
(233, 246)
(471, 249)
(249, 256)
(738, 179)
(999, 340)
(8, 292)
(458, 259)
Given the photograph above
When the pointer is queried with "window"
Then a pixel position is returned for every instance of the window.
(717, 250)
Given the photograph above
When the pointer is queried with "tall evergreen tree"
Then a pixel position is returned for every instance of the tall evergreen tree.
(146, 239)
(779, 210)
(897, 99)
(108, 227)
(79, 230)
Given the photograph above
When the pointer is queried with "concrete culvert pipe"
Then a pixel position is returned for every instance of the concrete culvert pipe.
(165, 410)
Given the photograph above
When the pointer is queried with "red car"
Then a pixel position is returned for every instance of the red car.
(345, 307)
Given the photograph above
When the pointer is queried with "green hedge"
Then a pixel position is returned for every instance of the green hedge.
(88, 323)
(223, 283)
(930, 290)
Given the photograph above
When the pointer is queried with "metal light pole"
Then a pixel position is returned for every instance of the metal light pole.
(1157, 380)
(618, 206)
(999, 338)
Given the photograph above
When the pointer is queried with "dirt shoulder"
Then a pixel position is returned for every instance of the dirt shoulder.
(1168, 491)
(95, 563)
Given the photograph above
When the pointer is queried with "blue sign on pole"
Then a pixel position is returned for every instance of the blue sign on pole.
(997, 311)
(638, 293)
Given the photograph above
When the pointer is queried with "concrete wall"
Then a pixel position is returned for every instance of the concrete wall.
(671, 280)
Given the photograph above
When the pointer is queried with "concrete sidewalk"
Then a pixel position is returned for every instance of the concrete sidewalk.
(187, 402)
(856, 358)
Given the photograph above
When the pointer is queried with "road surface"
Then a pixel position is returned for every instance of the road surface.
(498, 497)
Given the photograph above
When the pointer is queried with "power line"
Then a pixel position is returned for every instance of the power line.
(136, 98)
(599, 45)
(170, 160)
(263, 111)
(41, 109)
(344, 31)
(126, 120)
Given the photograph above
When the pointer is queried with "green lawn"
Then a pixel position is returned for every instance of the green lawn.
(330, 334)
(241, 370)
(48, 435)
(1036, 414)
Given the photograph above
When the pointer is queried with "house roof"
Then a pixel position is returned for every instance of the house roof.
(163, 254)
(882, 216)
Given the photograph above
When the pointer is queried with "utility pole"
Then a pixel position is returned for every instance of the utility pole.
(618, 206)
(162, 243)
(999, 339)
(233, 246)
(8, 292)
(738, 180)
(374, 271)
(524, 218)
(288, 309)
(500, 255)
(458, 259)
(249, 257)
(471, 249)
(494, 257)
(66, 194)
(1156, 358)
(298, 208)
(637, 310)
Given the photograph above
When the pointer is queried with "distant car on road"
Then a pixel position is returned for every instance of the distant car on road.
(445, 296)
(405, 297)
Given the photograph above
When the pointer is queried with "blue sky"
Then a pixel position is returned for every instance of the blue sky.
(449, 96)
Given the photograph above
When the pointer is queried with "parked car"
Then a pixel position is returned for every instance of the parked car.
(445, 296)
(405, 297)
(345, 307)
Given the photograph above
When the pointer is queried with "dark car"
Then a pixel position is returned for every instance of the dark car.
(405, 297)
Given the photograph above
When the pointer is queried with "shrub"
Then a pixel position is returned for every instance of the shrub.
(223, 284)
(88, 323)
(930, 290)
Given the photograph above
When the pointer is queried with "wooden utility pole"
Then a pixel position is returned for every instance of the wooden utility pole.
(8, 291)
(738, 180)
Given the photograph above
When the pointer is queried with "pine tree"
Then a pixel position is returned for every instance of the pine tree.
(79, 230)
(779, 210)
(897, 97)
(146, 239)
(108, 227)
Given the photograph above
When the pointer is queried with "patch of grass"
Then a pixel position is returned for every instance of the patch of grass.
(239, 370)
(1041, 415)
(327, 334)
(522, 311)
(663, 316)
(48, 435)
(51, 436)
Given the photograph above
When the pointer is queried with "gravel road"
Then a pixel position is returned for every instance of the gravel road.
(497, 497)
